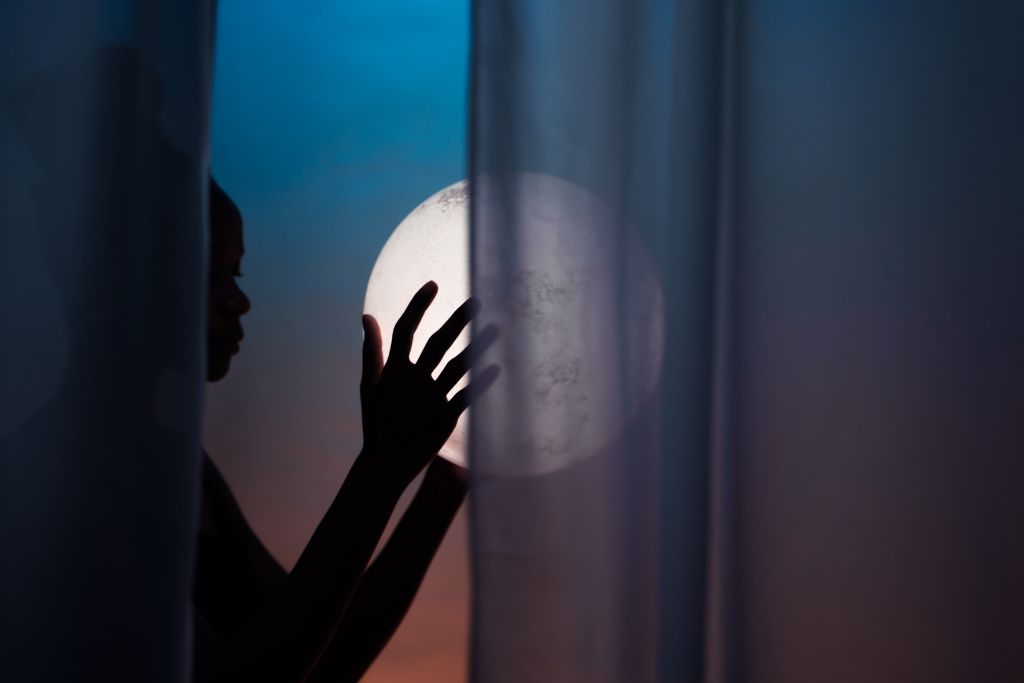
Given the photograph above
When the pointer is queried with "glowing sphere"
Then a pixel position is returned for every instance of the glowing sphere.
(579, 307)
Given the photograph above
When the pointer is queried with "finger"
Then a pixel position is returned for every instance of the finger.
(401, 340)
(442, 340)
(373, 354)
(461, 400)
(459, 365)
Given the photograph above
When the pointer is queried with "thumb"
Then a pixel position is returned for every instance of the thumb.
(373, 355)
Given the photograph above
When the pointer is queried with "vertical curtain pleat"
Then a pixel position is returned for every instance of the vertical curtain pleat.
(595, 139)
(103, 117)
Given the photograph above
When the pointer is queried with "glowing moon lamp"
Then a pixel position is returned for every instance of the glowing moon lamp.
(579, 308)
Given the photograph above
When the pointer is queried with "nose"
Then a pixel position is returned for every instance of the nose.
(236, 303)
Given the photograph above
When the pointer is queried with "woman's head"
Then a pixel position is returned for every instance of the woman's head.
(226, 303)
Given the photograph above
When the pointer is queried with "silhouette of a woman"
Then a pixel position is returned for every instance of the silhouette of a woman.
(331, 615)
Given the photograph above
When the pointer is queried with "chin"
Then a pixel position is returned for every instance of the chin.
(217, 369)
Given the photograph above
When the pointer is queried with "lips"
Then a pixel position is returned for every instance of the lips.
(230, 342)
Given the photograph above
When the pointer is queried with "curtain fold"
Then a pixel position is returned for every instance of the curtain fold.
(103, 120)
(595, 151)
(757, 269)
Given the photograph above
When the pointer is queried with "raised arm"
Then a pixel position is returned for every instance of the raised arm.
(406, 420)
(390, 584)
(387, 589)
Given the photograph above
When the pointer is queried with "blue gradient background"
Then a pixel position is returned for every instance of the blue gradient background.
(331, 121)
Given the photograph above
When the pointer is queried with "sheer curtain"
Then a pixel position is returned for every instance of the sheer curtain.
(103, 163)
(758, 270)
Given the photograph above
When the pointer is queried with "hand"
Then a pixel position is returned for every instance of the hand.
(406, 414)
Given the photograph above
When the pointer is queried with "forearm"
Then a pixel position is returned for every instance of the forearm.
(288, 637)
(390, 584)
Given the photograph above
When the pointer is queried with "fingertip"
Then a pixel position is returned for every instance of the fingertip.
(423, 296)
(488, 376)
(371, 330)
(489, 333)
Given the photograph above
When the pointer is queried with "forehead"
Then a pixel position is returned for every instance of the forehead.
(225, 222)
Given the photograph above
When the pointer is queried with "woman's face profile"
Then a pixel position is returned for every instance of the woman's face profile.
(226, 303)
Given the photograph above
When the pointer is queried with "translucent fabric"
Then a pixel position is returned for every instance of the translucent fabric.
(758, 270)
(103, 173)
